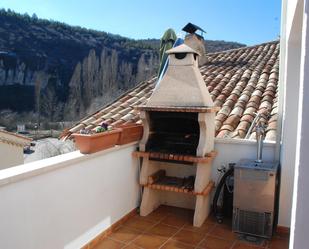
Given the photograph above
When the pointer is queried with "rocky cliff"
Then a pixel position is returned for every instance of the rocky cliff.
(102, 76)
(63, 72)
(55, 72)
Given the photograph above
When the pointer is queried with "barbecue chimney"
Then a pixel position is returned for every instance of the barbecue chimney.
(182, 84)
(196, 41)
(178, 140)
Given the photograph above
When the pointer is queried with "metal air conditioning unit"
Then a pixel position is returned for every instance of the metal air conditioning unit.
(255, 198)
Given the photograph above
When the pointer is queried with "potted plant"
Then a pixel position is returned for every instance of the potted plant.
(100, 139)
(130, 133)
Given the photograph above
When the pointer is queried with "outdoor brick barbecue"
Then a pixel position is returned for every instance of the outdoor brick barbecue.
(178, 141)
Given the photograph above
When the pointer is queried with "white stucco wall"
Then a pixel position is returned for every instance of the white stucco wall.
(300, 218)
(10, 155)
(233, 150)
(65, 201)
(288, 16)
(290, 54)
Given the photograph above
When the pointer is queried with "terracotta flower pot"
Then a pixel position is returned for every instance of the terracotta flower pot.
(90, 143)
(130, 133)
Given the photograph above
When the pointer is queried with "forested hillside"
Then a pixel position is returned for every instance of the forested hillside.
(53, 71)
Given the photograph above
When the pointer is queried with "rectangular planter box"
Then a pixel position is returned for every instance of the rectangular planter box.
(130, 133)
(90, 143)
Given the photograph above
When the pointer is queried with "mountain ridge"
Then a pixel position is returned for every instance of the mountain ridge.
(62, 72)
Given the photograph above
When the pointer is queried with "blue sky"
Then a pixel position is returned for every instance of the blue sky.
(246, 21)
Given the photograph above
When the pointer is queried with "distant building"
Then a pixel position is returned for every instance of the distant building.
(12, 149)
(21, 128)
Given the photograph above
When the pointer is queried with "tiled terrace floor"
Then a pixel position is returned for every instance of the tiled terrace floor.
(171, 228)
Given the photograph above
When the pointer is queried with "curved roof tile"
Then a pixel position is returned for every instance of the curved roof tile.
(241, 81)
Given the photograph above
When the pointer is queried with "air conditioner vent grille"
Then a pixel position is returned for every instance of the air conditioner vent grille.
(254, 223)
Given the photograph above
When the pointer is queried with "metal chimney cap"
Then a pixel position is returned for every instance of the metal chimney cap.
(191, 28)
(183, 48)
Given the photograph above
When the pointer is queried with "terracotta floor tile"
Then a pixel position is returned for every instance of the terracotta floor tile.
(223, 232)
(281, 235)
(215, 243)
(188, 237)
(139, 224)
(182, 212)
(244, 245)
(147, 218)
(163, 230)
(149, 241)
(277, 243)
(172, 244)
(156, 216)
(125, 234)
(132, 246)
(175, 231)
(164, 209)
(176, 221)
(109, 244)
(205, 228)
(211, 219)
(259, 243)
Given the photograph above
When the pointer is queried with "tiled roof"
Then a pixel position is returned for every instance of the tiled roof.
(242, 82)
(14, 139)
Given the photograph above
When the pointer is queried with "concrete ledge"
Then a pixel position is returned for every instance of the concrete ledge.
(24, 171)
(18, 173)
(243, 141)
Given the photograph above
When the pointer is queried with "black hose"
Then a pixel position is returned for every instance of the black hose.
(219, 215)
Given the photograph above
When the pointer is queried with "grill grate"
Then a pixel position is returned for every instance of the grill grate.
(177, 133)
